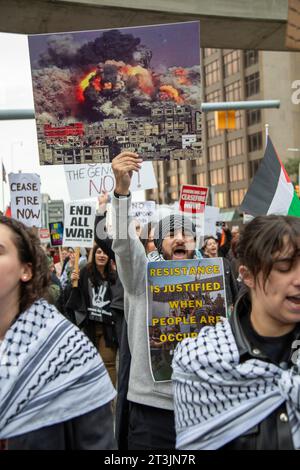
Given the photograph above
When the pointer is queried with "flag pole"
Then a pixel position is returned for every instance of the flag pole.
(2, 185)
(267, 133)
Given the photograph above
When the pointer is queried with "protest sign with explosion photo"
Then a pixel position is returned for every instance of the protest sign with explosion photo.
(97, 93)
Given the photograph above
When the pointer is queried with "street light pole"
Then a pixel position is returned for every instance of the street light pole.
(235, 105)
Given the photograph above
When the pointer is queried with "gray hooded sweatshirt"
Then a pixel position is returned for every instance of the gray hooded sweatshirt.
(132, 266)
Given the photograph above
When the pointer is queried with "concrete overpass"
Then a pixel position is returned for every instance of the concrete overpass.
(232, 24)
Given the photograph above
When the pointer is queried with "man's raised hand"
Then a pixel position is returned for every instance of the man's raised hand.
(123, 165)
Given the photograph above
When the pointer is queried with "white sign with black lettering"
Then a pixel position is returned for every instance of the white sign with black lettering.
(26, 200)
(142, 211)
(89, 181)
(79, 225)
(211, 216)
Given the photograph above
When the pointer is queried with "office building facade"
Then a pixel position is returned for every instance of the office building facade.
(230, 158)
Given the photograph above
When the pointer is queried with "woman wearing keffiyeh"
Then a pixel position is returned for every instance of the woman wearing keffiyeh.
(54, 390)
(237, 385)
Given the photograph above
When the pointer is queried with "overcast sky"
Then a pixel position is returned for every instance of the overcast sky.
(162, 40)
(18, 140)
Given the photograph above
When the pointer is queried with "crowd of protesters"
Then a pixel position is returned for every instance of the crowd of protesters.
(69, 338)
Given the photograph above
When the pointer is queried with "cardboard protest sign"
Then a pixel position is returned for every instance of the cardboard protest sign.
(26, 200)
(89, 181)
(97, 93)
(79, 225)
(192, 198)
(183, 296)
(211, 217)
(56, 230)
(142, 211)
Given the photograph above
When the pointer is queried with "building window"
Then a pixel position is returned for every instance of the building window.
(209, 51)
(200, 179)
(253, 167)
(212, 73)
(233, 92)
(237, 172)
(217, 176)
(215, 153)
(250, 58)
(182, 178)
(252, 84)
(220, 199)
(231, 63)
(237, 196)
(238, 122)
(235, 147)
(173, 180)
(211, 129)
(254, 142)
(253, 117)
(214, 96)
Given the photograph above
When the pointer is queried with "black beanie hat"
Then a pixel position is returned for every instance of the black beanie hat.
(172, 223)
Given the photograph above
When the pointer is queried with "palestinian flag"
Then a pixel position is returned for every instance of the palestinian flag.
(271, 191)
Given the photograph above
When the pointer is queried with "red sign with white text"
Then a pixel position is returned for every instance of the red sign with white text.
(192, 198)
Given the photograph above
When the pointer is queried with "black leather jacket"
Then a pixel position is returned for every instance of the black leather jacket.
(91, 431)
(273, 433)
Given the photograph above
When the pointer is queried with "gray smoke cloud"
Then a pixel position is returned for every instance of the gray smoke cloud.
(108, 109)
(61, 52)
(54, 92)
(120, 79)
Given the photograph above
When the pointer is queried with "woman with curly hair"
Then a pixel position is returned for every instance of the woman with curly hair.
(55, 392)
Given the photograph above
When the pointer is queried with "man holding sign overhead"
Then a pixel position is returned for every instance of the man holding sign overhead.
(151, 419)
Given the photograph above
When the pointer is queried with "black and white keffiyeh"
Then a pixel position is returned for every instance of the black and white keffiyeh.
(49, 372)
(154, 256)
(217, 399)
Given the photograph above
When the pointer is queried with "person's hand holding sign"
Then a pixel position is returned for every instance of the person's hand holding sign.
(123, 165)
(74, 276)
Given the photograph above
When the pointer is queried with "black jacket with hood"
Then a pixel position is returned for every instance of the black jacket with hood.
(77, 310)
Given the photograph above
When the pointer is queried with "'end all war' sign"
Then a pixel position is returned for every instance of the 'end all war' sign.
(79, 225)
(26, 201)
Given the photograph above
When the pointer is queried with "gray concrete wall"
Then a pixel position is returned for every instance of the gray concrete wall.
(224, 23)
(254, 9)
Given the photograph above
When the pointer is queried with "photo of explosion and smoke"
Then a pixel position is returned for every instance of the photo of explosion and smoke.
(97, 93)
